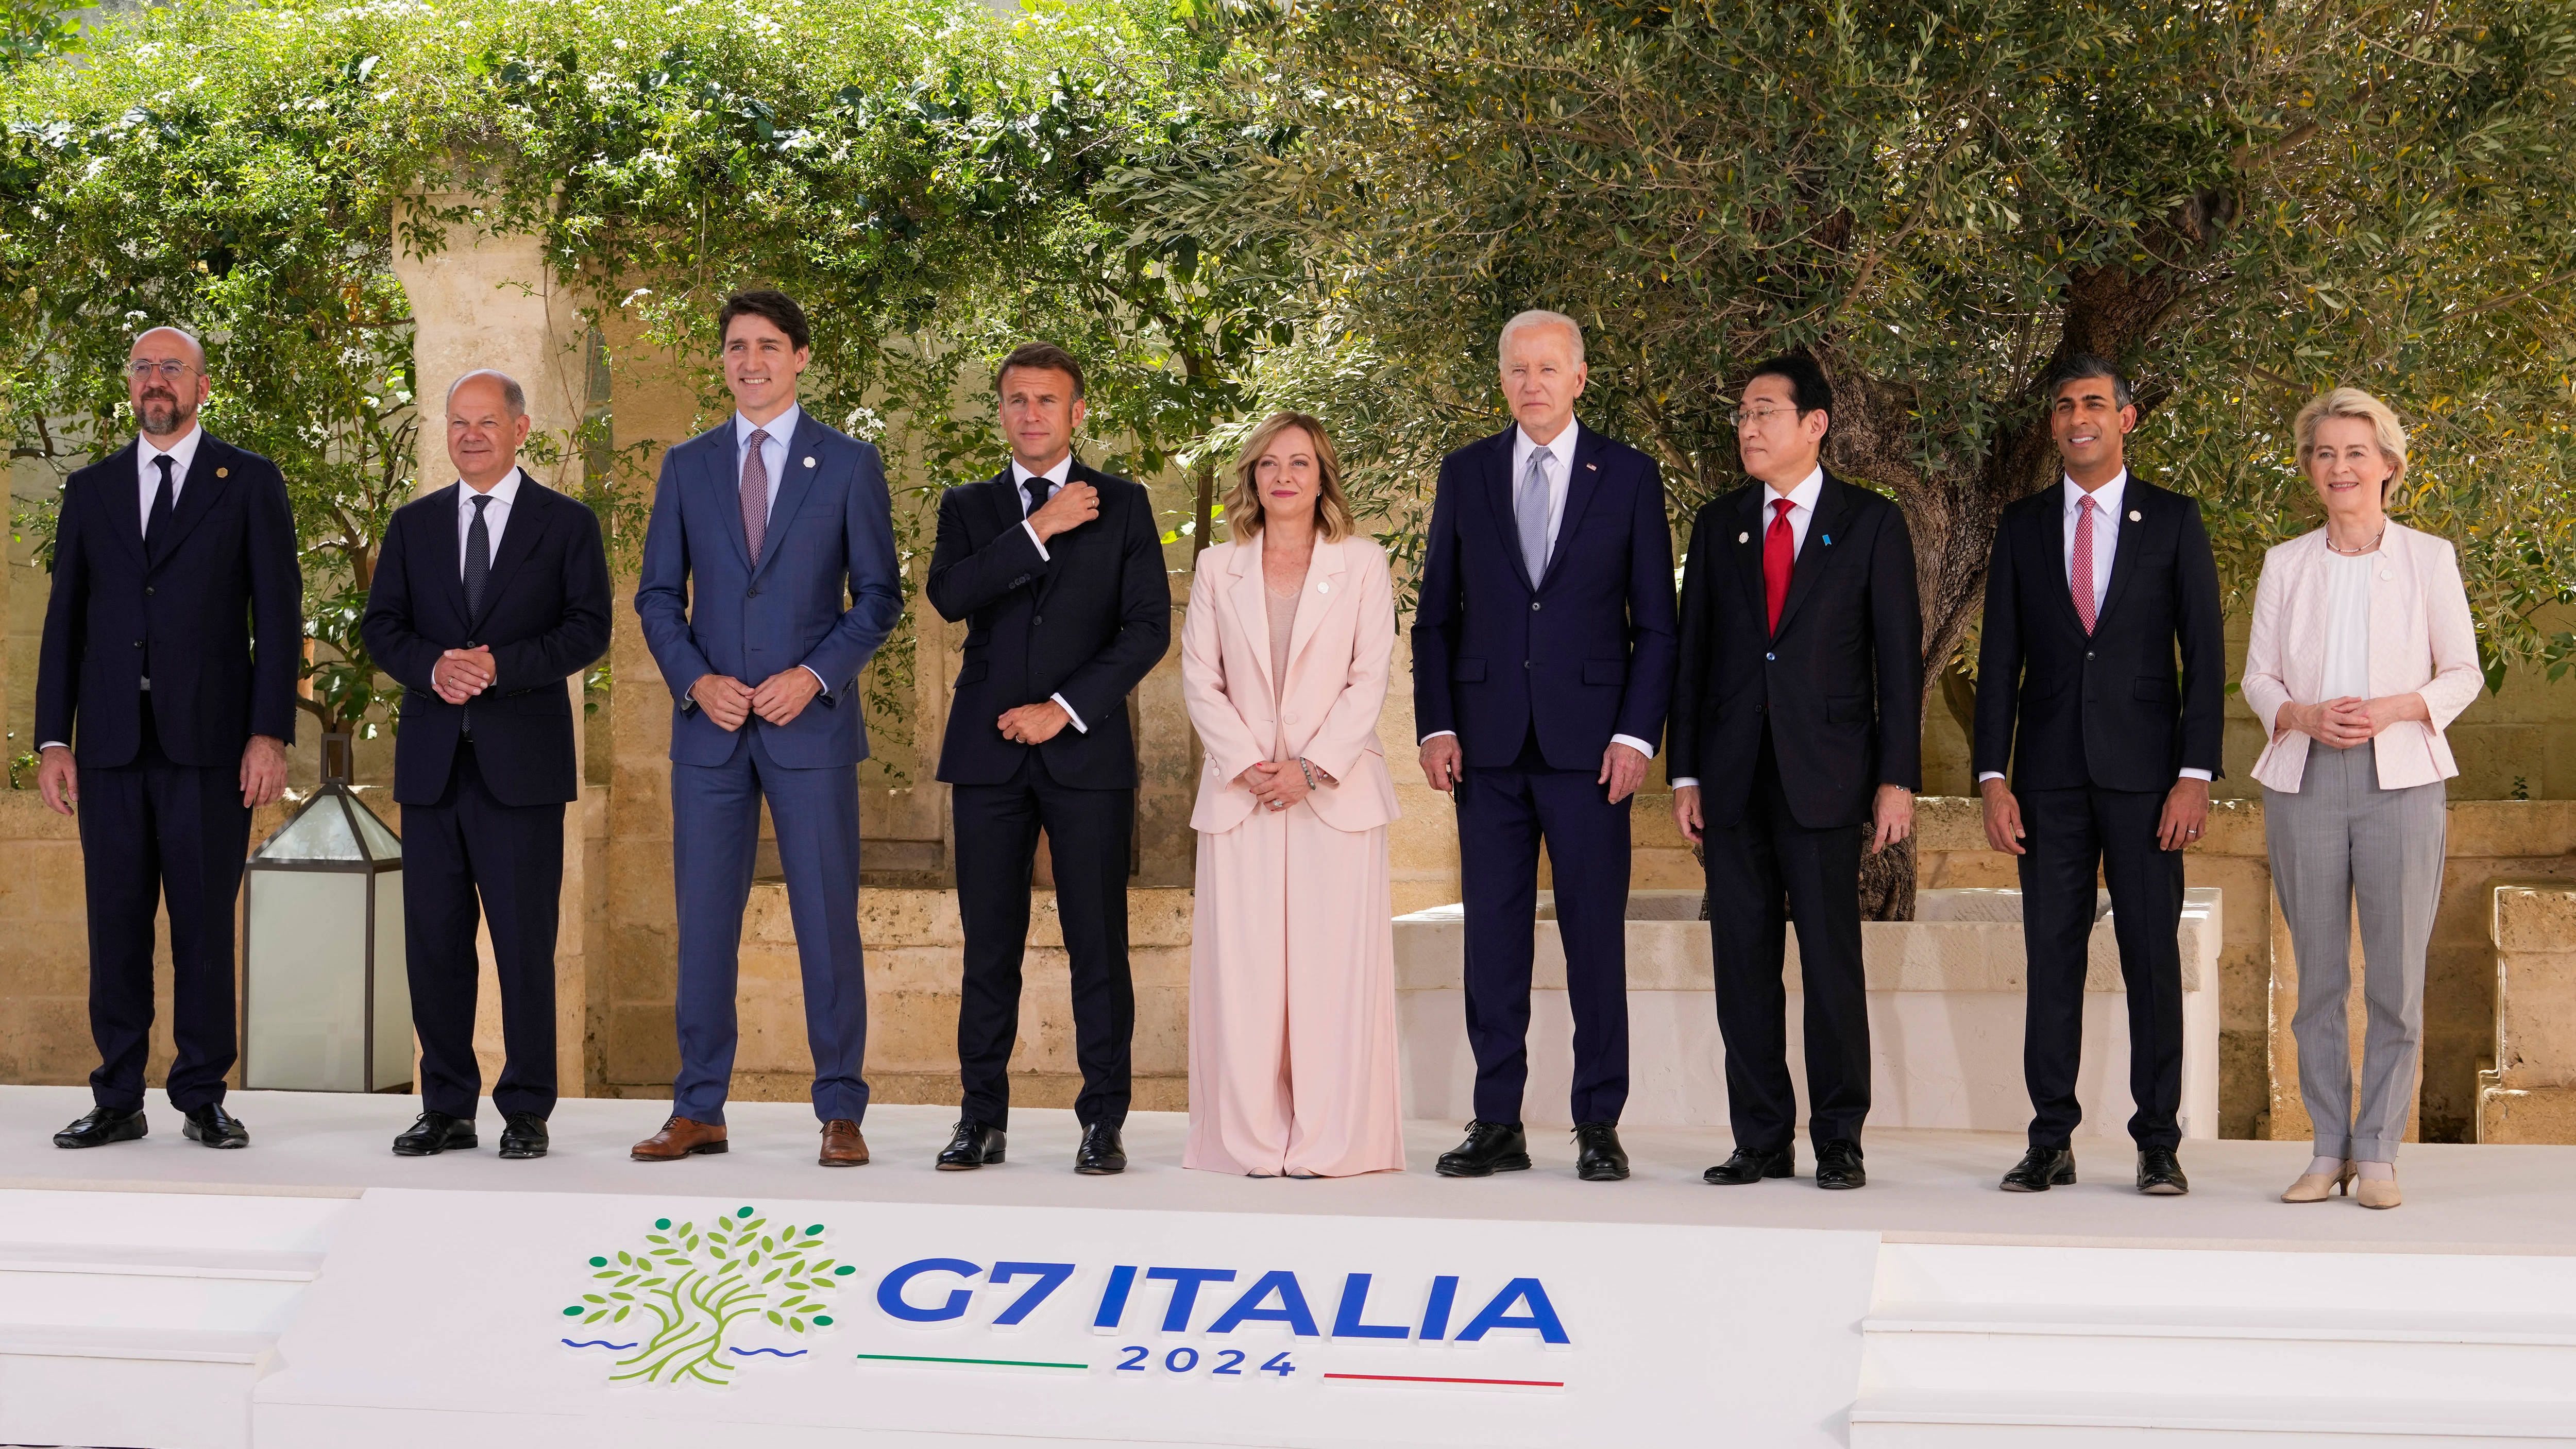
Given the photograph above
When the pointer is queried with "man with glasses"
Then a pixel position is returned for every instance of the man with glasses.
(165, 700)
(1794, 728)
(1542, 662)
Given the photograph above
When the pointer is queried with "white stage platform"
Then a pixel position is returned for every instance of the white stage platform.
(315, 1290)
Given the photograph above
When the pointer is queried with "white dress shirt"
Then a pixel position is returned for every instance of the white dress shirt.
(1055, 477)
(1802, 511)
(496, 515)
(1560, 472)
(2106, 547)
(2347, 668)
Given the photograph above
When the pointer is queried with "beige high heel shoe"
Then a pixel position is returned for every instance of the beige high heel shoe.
(2317, 1186)
(2378, 1192)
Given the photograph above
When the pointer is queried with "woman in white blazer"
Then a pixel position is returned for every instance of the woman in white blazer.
(1284, 658)
(2362, 652)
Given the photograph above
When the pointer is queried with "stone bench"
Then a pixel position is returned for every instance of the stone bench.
(1945, 1004)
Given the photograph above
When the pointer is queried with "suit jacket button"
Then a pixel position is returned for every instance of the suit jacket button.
(147, 591)
(138, 643)
(2088, 653)
(1037, 618)
(1533, 606)
(751, 593)
(1774, 658)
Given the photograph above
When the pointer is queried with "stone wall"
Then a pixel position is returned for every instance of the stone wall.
(2529, 1095)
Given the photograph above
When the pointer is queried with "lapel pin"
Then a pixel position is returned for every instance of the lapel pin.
(2136, 517)
(809, 460)
(223, 472)
(1829, 540)
(1744, 538)
(1592, 467)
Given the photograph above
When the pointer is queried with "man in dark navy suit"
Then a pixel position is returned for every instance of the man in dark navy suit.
(2096, 589)
(1542, 663)
(1057, 569)
(165, 700)
(769, 581)
(488, 595)
(1796, 721)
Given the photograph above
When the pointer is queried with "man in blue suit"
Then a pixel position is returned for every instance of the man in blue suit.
(773, 517)
(1543, 657)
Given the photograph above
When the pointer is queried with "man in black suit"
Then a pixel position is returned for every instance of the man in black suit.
(1059, 570)
(488, 594)
(1796, 720)
(1542, 665)
(2094, 587)
(165, 700)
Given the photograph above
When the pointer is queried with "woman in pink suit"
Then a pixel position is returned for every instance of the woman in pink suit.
(1284, 656)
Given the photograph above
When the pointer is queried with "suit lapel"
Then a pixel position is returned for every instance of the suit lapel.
(798, 480)
(2141, 507)
(518, 540)
(1498, 497)
(1582, 485)
(208, 476)
(2062, 551)
(1315, 597)
(446, 557)
(1833, 505)
(122, 500)
(724, 487)
(1747, 545)
(1067, 546)
(1247, 593)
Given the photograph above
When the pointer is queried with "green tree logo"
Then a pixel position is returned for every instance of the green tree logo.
(694, 1285)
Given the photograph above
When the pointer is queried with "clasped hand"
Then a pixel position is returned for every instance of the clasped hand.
(779, 699)
(1277, 784)
(461, 674)
(2349, 721)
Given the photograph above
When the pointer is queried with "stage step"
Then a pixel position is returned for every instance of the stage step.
(125, 1322)
(1984, 1344)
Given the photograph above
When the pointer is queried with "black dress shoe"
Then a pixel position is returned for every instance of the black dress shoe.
(1838, 1166)
(972, 1145)
(1601, 1158)
(2040, 1169)
(434, 1133)
(215, 1127)
(1752, 1164)
(523, 1135)
(1490, 1147)
(2160, 1173)
(102, 1126)
(1101, 1153)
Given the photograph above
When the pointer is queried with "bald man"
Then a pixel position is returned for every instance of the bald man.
(165, 700)
(488, 595)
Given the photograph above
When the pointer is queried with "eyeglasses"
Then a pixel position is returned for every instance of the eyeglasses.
(1759, 416)
(171, 370)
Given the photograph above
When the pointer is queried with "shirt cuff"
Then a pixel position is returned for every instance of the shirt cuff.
(1685, 784)
(2195, 774)
(818, 680)
(51, 745)
(1984, 775)
(1061, 703)
(1040, 545)
(1435, 734)
(1634, 743)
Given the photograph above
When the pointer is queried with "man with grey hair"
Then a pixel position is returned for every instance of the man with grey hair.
(488, 595)
(165, 700)
(1548, 578)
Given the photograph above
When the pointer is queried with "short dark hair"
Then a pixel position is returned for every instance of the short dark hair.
(1808, 390)
(1040, 357)
(2077, 366)
(775, 306)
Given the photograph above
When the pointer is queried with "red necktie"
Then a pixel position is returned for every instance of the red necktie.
(2079, 570)
(1779, 555)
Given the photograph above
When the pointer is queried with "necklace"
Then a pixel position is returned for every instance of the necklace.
(2331, 546)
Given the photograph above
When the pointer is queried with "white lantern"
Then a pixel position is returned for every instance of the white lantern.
(326, 1006)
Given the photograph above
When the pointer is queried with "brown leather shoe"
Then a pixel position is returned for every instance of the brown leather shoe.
(842, 1144)
(680, 1138)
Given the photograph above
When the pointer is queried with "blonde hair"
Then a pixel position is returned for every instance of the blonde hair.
(1243, 516)
(2352, 402)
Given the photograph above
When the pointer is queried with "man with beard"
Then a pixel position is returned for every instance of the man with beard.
(165, 700)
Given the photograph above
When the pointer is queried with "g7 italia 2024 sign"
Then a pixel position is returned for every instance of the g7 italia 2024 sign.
(698, 1301)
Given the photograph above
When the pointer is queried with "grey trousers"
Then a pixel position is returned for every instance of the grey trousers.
(2342, 842)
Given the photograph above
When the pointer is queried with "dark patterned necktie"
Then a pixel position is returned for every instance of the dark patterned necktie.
(478, 557)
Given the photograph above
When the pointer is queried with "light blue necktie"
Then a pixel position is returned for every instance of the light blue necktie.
(1529, 509)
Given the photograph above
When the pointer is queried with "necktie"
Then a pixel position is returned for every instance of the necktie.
(160, 513)
(1779, 556)
(1529, 511)
(478, 557)
(2080, 568)
(1039, 489)
(755, 495)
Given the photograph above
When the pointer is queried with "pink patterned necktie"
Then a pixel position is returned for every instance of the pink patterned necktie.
(2080, 569)
(755, 495)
